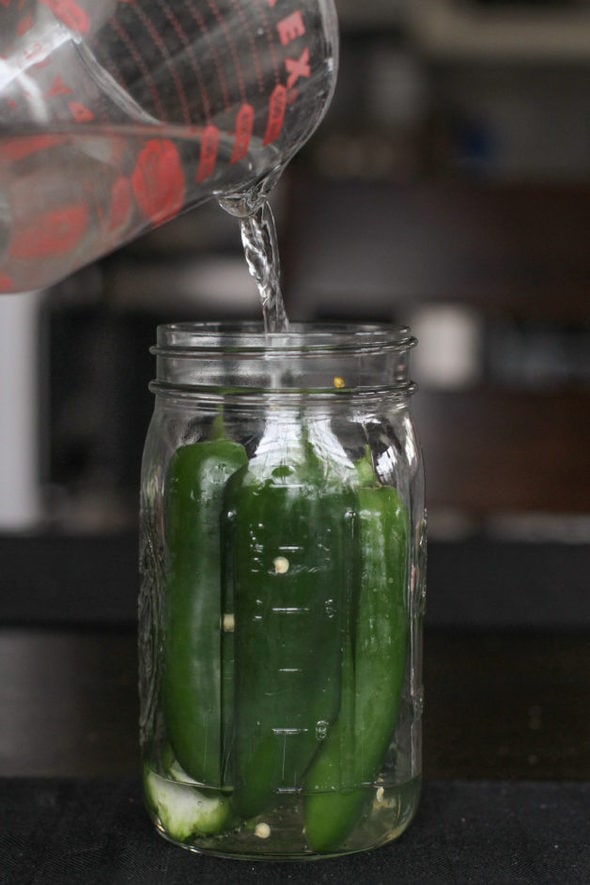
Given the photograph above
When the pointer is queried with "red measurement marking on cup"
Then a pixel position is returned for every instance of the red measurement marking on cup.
(121, 203)
(143, 69)
(19, 148)
(159, 42)
(36, 54)
(58, 87)
(188, 49)
(232, 49)
(158, 181)
(6, 284)
(68, 12)
(217, 61)
(209, 148)
(277, 106)
(120, 146)
(80, 112)
(244, 129)
(24, 25)
(269, 39)
(52, 233)
(245, 24)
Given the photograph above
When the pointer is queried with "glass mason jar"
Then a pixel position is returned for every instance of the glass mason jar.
(282, 556)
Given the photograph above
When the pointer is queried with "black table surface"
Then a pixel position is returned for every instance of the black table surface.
(81, 832)
(506, 726)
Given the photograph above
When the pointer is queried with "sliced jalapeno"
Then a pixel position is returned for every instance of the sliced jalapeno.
(191, 680)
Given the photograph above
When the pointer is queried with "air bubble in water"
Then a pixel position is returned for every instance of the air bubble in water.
(321, 730)
(330, 608)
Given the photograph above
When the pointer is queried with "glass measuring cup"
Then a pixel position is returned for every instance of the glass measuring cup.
(116, 115)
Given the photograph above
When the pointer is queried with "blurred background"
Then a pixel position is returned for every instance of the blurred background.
(448, 188)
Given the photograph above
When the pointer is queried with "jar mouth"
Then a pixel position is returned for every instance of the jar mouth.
(198, 339)
(311, 359)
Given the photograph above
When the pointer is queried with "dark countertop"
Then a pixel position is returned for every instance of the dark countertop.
(83, 832)
(506, 725)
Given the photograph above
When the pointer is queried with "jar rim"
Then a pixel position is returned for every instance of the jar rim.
(198, 338)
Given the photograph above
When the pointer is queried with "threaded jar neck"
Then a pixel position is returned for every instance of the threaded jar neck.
(313, 359)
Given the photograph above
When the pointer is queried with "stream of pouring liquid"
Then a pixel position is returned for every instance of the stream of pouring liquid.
(259, 238)
(261, 250)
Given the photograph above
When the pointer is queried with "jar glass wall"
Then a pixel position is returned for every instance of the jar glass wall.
(282, 557)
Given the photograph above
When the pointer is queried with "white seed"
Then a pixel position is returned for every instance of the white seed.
(229, 623)
(281, 564)
(380, 795)
(262, 831)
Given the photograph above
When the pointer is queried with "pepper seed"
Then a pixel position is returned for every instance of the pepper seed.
(281, 564)
(229, 623)
(262, 831)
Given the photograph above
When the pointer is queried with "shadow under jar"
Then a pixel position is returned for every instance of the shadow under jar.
(282, 556)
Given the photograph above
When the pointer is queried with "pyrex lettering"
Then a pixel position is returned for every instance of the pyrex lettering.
(290, 28)
(298, 68)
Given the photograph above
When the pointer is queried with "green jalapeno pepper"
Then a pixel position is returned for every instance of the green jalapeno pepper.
(191, 686)
(305, 566)
(290, 541)
(373, 673)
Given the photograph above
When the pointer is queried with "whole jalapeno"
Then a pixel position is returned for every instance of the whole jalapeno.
(191, 678)
(338, 784)
(289, 536)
